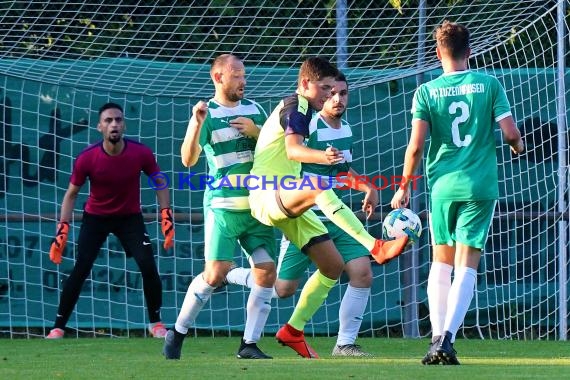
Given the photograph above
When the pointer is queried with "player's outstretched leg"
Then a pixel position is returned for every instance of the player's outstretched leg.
(386, 250)
(173, 344)
(291, 337)
(445, 350)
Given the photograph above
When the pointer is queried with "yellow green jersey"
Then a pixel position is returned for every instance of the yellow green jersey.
(292, 116)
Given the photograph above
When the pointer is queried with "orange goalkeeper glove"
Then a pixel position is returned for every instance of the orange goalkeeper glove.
(58, 243)
(167, 227)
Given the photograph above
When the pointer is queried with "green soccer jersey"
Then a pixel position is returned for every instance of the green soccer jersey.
(462, 109)
(229, 154)
(321, 136)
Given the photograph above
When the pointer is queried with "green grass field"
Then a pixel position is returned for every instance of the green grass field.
(214, 358)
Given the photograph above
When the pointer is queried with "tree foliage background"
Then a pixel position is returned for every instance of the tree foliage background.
(381, 34)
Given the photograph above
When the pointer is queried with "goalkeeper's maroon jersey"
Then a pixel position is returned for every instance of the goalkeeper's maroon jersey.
(114, 180)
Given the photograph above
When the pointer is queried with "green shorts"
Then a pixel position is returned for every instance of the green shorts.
(224, 229)
(293, 262)
(465, 222)
(302, 231)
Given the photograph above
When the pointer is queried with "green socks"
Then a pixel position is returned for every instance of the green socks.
(312, 297)
(341, 215)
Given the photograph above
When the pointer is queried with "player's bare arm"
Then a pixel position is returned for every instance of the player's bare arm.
(297, 151)
(163, 197)
(371, 200)
(512, 134)
(412, 159)
(191, 149)
(68, 202)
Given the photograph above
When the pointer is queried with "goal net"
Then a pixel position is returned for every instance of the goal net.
(60, 61)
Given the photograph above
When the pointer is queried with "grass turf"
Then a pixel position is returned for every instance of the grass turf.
(207, 357)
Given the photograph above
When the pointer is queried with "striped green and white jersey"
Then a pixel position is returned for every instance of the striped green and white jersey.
(229, 153)
(321, 136)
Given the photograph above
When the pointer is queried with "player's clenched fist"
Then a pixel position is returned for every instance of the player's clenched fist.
(167, 227)
(200, 110)
(58, 243)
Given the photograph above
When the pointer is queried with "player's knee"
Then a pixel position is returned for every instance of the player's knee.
(332, 269)
(214, 278)
(361, 279)
(265, 277)
(284, 292)
(285, 288)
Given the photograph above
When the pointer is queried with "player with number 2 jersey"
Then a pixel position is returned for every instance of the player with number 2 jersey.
(461, 108)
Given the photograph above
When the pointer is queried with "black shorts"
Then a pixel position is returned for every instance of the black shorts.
(129, 229)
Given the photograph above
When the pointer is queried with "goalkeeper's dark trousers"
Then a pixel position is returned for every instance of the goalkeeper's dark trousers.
(131, 232)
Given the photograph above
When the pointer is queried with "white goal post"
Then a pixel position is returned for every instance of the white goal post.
(60, 61)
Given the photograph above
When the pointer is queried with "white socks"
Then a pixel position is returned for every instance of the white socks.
(449, 302)
(351, 310)
(258, 308)
(197, 296)
(459, 299)
(439, 283)
(240, 276)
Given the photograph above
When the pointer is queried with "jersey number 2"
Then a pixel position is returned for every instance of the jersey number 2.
(463, 116)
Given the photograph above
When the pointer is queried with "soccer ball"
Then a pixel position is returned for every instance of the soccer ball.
(401, 222)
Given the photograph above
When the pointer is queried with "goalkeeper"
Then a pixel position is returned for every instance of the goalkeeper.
(113, 167)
